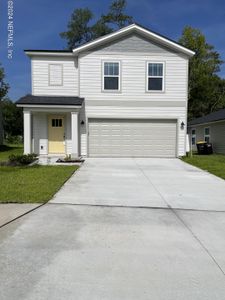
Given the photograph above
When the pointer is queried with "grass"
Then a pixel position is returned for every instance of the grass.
(6, 150)
(214, 163)
(36, 184)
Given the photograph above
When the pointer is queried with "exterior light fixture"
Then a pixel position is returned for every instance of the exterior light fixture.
(182, 125)
(82, 122)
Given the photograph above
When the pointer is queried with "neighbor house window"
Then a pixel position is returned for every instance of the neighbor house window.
(155, 76)
(55, 74)
(207, 134)
(111, 76)
(193, 137)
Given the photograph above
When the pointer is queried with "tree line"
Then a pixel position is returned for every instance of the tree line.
(206, 88)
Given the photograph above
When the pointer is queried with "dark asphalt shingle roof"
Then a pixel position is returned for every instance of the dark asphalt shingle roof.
(214, 116)
(50, 100)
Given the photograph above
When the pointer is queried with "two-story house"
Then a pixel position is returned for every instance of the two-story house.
(121, 95)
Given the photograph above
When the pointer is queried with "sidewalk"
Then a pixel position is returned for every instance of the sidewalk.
(9, 212)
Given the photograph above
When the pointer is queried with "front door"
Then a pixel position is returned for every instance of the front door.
(56, 134)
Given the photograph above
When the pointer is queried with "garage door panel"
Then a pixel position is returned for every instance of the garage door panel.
(132, 138)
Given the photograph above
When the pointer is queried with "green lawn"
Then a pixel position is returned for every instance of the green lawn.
(36, 184)
(6, 150)
(214, 163)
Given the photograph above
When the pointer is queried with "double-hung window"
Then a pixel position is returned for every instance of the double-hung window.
(155, 77)
(207, 134)
(111, 76)
(193, 137)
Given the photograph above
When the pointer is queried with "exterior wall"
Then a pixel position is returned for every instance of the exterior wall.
(40, 76)
(217, 135)
(133, 101)
(40, 133)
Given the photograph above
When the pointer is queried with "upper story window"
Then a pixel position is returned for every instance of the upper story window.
(207, 134)
(55, 74)
(111, 76)
(155, 77)
(193, 137)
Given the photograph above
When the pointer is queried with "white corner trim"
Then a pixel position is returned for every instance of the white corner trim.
(133, 27)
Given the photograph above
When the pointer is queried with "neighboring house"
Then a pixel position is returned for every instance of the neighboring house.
(210, 128)
(121, 95)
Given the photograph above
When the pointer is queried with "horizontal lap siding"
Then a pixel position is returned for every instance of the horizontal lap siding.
(134, 54)
(133, 79)
(40, 79)
(40, 133)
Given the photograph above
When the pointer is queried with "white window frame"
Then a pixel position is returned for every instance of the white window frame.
(103, 76)
(193, 136)
(49, 75)
(207, 135)
(163, 77)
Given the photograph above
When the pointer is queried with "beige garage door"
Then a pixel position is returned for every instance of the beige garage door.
(132, 138)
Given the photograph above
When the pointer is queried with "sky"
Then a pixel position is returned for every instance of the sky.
(37, 24)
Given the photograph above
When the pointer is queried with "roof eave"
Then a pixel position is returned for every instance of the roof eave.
(48, 105)
(32, 53)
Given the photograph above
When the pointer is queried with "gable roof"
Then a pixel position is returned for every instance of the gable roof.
(213, 117)
(164, 41)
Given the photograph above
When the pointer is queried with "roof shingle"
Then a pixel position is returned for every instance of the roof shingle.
(50, 100)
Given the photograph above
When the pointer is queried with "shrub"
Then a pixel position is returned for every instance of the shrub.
(25, 159)
(17, 139)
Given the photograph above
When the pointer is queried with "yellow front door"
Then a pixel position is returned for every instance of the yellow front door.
(56, 133)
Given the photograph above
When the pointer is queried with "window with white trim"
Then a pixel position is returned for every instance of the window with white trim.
(111, 76)
(193, 137)
(155, 77)
(55, 74)
(207, 134)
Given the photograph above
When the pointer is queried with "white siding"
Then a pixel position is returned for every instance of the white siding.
(133, 77)
(40, 134)
(133, 101)
(40, 76)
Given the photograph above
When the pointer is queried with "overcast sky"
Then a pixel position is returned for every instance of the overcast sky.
(37, 24)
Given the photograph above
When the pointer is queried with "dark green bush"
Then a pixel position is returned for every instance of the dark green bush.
(25, 159)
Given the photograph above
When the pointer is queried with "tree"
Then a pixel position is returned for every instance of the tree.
(12, 119)
(3, 92)
(80, 29)
(116, 15)
(206, 88)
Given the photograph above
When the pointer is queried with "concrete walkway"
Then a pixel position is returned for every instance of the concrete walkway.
(9, 212)
(143, 182)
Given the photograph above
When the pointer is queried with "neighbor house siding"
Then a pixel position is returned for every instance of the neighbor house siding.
(133, 101)
(217, 135)
(40, 76)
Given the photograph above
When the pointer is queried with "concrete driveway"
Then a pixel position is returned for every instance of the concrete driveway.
(173, 250)
(143, 182)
